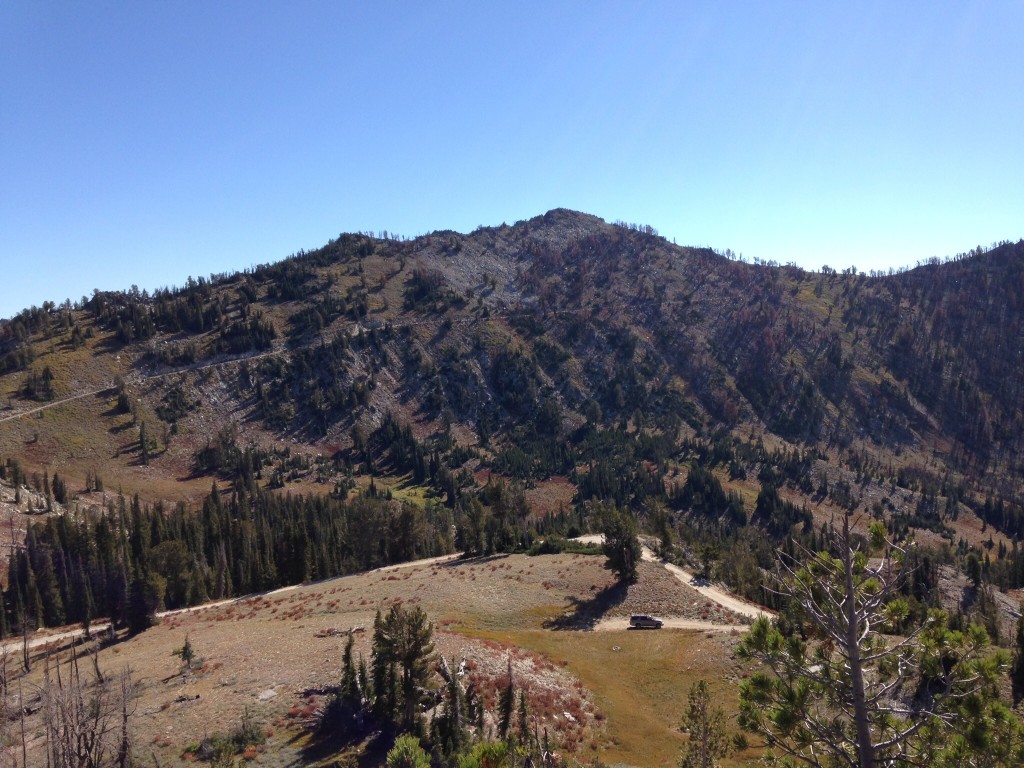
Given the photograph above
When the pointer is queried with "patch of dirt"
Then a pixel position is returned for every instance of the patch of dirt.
(550, 496)
(656, 592)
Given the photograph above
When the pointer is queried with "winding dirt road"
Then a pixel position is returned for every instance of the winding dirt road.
(716, 594)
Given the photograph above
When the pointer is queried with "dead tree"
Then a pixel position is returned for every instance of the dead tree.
(87, 720)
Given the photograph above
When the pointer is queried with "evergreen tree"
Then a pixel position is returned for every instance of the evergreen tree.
(49, 589)
(382, 666)
(186, 652)
(364, 679)
(405, 639)
(506, 705)
(857, 698)
(1017, 669)
(145, 598)
(32, 612)
(351, 699)
(523, 720)
(451, 731)
(86, 602)
(972, 569)
(488, 754)
(706, 727)
(344, 714)
(407, 753)
(621, 544)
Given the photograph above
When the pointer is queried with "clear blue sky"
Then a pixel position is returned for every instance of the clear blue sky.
(143, 142)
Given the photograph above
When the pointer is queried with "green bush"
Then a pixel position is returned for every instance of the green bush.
(555, 545)
(407, 753)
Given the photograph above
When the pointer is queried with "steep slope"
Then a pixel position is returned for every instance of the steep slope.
(560, 347)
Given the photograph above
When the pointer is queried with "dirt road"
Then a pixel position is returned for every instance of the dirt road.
(55, 403)
(415, 563)
(716, 594)
(56, 638)
(620, 623)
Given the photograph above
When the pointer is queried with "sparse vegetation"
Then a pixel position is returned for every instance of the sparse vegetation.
(378, 400)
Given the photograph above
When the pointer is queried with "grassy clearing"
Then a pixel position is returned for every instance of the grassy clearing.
(640, 682)
(86, 436)
(402, 488)
(283, 644)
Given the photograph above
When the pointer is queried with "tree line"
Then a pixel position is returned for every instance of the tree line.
(129, 559)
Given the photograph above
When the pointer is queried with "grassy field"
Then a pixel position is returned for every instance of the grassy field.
(276, 655)
(640, 682)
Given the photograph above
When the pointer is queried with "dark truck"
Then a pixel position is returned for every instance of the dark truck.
(643, 621)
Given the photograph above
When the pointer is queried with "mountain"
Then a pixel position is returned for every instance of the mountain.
(380, 400)
(580, 358)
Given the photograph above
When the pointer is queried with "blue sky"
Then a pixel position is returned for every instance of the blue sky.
(144, 142)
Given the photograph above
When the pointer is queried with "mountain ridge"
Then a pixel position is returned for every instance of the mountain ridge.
(587, 323)
(379, 400)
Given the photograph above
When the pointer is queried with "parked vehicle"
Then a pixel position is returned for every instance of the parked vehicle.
(643, 621)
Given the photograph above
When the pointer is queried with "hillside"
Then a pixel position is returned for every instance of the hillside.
(275, 658)
(381, 400)
(569, 360)
(533, 351)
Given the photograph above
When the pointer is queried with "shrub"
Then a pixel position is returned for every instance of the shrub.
(407, 753)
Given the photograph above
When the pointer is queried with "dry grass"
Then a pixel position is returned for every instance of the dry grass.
(277, 655)
(551, 495)
(640, 682)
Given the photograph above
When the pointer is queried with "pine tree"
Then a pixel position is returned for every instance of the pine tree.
(32, 612)
(1017, 670)
(506, 704)
(364, 679)
(706, 727)
(351, 698)
(407, 753)
(857, 698)
(145, 597)
(186, 652)
(49, 589)
(523, 720)
(621, 544)
(451, 729)
(88, 607)
(405, 636)
(344, 715)
(382, 667)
